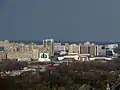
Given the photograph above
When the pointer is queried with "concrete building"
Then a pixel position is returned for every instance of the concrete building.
(3, 56)
(88, 48)
(4, 43)
(107, 53)
(3, 53)
(49, 46)
(59, 47)
(73, 48)
(111, 46)
(85, 48)
(67, 46)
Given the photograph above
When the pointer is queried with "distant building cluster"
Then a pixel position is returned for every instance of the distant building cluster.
(81, 51)
(12, 50)
(22, 51)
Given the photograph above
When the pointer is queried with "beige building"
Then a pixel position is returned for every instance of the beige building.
(25, 55)
(66, 46)
(4, 43)
(73, 48)
(59, 47)
(3, 56)
(88, 48)
(19, 50)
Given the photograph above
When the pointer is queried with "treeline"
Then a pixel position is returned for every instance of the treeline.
(72, 76)
(8, 65)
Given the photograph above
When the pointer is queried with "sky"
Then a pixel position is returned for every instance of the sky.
(96, 20)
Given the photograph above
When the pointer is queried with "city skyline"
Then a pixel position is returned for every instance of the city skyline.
(60, 19)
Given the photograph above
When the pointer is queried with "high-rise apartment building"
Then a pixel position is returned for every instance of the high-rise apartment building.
(67, 46)
(73, 48)
(59, 47)
(88, 48)
(48, 44)
(3, 53)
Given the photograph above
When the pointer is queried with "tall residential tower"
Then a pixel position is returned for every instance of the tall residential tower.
(49, 46)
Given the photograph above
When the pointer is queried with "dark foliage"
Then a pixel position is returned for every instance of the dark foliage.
(72, 76)
(10, 65)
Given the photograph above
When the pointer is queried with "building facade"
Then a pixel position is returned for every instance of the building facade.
(48, 44)
(73, 48)
(88, 48)
(59, 47)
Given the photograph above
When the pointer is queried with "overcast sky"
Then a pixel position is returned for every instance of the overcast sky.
(97, 20)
